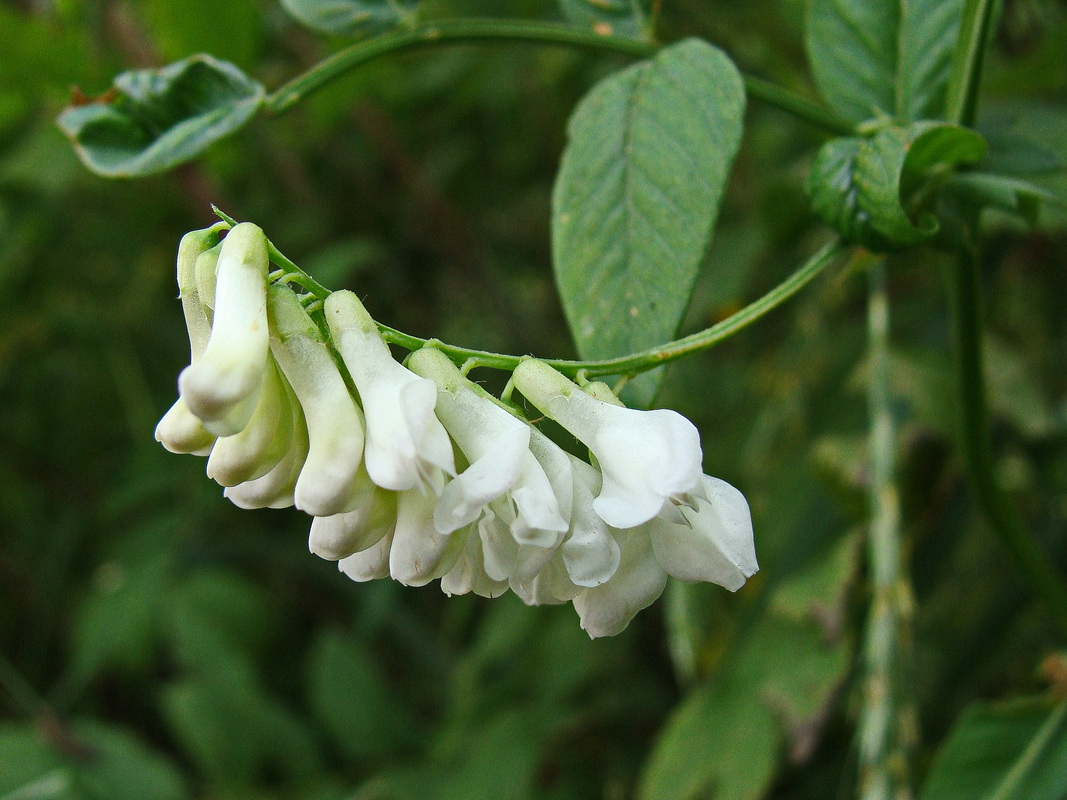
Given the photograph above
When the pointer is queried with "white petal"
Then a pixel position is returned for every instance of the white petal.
(275, 489)
(468, 573)
(370, 564)
(266, 439)
(646, 457)
(338, 536)
(486, 479)
(405, 441)
(717, 547)
(590, 552)
(327, 483)
(538, 521)
(606, 610)
(181, 431)
(222, 385)
(420, 554)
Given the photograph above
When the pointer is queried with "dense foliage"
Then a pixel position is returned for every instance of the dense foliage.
(156, 642)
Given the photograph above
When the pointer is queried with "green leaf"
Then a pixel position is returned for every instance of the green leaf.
(357, 18)
(120, 767)
(874, 58)
(85, 760)
(863, 188)
(725, 738)
(348, 693)
(610, 17)
(637, 196)
(1012, 751)
(158, 118)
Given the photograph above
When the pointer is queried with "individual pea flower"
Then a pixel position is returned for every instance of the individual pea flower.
(714, 544)
(650, 460)
(327, 484)
(407, 446)
(222, 386)
(497, 446)
(180, 430)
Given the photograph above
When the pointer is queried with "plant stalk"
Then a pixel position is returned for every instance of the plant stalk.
(489, 30)
(887, 725)
(965, 296)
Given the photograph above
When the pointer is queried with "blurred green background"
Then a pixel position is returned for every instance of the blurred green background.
(159, 643)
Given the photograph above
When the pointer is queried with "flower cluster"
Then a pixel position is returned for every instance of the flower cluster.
(417, 473)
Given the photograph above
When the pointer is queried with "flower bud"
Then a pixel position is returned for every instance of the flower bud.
(223, 385)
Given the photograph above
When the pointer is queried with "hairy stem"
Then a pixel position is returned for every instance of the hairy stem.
(488, 30)
(974, 421)
(887, 720)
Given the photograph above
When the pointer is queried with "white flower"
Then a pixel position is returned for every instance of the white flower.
(648, 459)
(180, 430)
(715, 544)
(497, 445)
(327, 483)
(468, 573)
(222, 386)
(406, 445)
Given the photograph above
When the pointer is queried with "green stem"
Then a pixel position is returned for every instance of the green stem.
(970, 380)
(800, 107)
(886, 724)
(629, 365)
(961, 104)
(637, 363)
(474, 30)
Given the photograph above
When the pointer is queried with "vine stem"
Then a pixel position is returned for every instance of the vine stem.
(887, 723)
(474, 30)
(965, 296)
(628, 365)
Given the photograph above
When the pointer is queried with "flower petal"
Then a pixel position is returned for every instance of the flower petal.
(607, 609)
(339, 536)
(222, 385)
(370, 564)
(420, 554)
(266, 439)
(717, 546)
(327, 483)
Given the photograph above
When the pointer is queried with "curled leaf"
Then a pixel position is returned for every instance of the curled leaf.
(155, 119)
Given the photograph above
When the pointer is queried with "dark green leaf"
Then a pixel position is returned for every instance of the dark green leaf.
(833, 192)
(1013, 751)
(159, 118)
(351, 17)
(637, 195)
(610, 17)
(883, 58)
